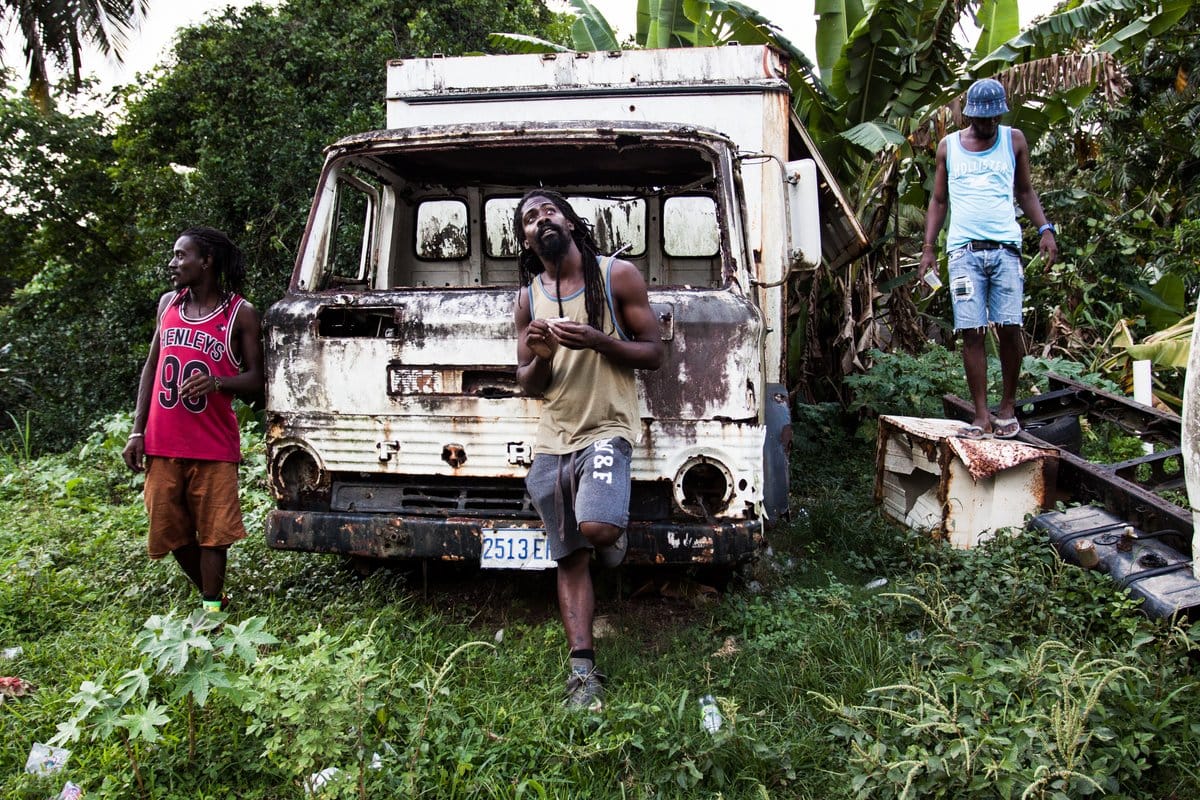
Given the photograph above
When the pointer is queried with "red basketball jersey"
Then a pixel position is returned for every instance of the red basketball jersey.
(204, 428)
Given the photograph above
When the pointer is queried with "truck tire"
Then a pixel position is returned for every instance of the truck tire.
(1064, 432)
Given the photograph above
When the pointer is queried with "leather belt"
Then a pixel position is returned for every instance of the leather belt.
(984, 244)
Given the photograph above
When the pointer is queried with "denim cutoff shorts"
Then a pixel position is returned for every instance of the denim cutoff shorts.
(986, 286)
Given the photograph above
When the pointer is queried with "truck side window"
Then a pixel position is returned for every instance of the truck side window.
(350, 237)
(443, 227)
(618, 223)
(500, 240)
(690, 227)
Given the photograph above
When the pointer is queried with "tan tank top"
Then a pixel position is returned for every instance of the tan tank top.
(589, 397)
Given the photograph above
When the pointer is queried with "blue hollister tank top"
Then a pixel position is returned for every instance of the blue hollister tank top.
(981, 192)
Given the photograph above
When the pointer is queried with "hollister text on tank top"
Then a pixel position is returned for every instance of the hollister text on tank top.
(203, 428)
(981, 192)
(589, 397)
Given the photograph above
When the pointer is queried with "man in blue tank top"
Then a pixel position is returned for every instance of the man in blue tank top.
(980, 171)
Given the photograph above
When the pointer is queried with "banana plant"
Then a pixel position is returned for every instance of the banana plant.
(1168, 348)
(882, 92)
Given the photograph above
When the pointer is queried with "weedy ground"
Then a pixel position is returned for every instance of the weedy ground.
(995, 673)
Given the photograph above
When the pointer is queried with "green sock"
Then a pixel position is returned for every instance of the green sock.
(213, 606)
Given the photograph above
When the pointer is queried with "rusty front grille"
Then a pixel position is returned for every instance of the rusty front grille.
(649, 501)
(441, 498)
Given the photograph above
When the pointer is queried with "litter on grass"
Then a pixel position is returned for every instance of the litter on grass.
(14, 687)
(45, 759)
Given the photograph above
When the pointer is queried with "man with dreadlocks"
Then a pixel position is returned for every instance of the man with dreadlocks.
(584, 325)
(206, 348)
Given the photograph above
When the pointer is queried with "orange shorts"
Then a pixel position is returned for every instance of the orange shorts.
(192, 502)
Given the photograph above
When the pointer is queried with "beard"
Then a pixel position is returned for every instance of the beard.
(552, 248)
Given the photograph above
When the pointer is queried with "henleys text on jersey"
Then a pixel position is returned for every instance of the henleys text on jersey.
(195, 340)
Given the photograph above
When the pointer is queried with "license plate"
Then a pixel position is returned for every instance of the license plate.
(515, 548)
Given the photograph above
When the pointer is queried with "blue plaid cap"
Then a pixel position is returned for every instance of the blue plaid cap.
(985, 99)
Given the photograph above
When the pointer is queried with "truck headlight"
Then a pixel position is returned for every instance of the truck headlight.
(703, 486)
(297, 479)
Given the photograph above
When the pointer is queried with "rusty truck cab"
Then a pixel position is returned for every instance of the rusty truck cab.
(396, 427)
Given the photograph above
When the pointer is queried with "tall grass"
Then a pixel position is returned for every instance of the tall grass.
(827, 689)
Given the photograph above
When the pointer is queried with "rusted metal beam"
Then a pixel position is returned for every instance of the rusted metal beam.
(1145, 422)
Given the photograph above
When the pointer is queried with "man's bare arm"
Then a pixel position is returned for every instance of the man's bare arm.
(134, 453)
(535, 349)
(1027, 198)
(935, 217)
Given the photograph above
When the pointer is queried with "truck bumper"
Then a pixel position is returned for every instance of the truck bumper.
(459, 538)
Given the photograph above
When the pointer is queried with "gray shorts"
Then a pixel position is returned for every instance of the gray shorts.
(588, 485)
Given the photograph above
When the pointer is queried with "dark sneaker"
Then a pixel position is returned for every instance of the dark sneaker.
(612, 555)
(585, 691)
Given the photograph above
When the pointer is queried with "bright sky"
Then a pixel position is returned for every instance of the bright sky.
(795, 19)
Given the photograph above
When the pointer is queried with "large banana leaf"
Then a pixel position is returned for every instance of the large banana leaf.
(591, 30)
(1171, 353)
(1163, 304)
(1058, 33)
(722, 21)
(835, 20)
(1166, 349)
(874, 137)
(999, 21)
(1140, 29)
(662, 23)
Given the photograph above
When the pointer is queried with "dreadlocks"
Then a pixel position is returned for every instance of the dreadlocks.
(530, 266)
(229, 264)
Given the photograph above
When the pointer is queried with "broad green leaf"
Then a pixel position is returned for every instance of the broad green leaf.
(874, 136)
(591, 30)
(199, 679)
(144, 724)
(104, 723)
(1163, 304)
(835, 20)
(1172, 353)
(68, 732)
(520, 43)
(662, 23)
(91, 695)
(719, 22)
(1058, 32)
(244, 639)
(999, 21)
(134, 683)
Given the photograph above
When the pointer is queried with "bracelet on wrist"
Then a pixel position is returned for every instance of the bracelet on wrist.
(927, 246)
(216, 383)
(137, 436)
(1049, 226)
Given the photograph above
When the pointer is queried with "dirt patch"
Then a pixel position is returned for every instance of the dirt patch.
(649, 606)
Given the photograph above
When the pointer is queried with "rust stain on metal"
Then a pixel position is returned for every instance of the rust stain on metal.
(986, 457)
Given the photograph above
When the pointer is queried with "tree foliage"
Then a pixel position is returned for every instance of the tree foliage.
(887, 85)
(1127, 180)
(229, 133)
(56, 31)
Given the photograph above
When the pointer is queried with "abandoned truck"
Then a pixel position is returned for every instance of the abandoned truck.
(395, 426)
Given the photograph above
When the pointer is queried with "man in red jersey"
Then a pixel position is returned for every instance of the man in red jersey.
(206, 348)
